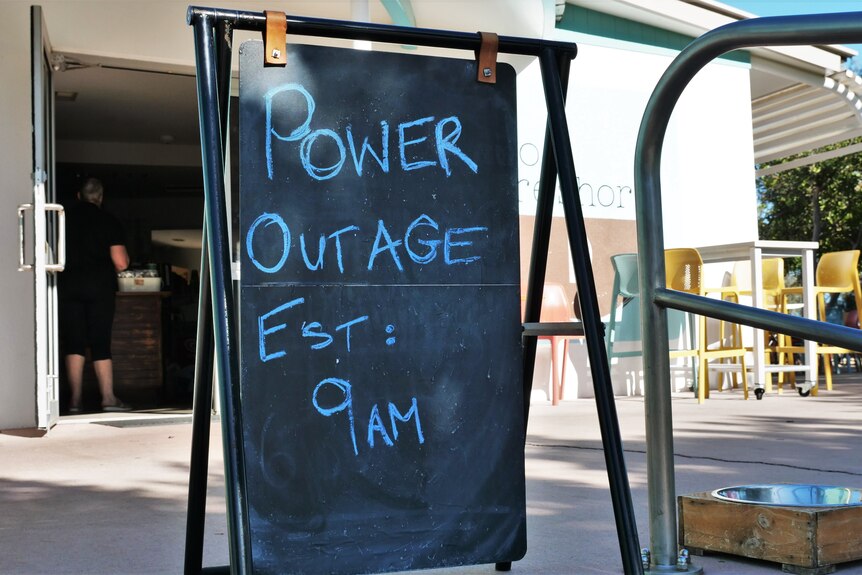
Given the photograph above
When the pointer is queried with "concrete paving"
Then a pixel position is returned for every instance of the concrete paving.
(107, 495)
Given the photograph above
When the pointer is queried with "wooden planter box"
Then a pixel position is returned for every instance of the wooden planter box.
(805, 540)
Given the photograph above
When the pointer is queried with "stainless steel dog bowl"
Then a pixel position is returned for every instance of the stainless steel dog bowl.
(792, 495)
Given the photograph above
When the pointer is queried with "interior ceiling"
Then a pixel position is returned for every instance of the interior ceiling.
(116, 105)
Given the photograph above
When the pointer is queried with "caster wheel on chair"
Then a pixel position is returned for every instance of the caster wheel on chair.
(758, 392)
(805, 393)
(503, 566)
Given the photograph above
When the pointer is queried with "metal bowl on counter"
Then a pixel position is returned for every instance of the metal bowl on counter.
(792, 495)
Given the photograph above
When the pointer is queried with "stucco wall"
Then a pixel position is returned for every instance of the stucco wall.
(17, 312)
(708, 194)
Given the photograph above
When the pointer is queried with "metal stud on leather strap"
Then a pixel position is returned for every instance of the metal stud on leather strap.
(487, 58)
(275, 39)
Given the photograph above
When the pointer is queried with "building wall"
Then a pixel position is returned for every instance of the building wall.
(17, 312)
(708, 194)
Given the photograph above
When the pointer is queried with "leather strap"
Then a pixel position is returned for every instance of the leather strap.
(487, 58)
(275, 39)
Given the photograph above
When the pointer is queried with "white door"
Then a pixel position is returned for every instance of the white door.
(41, 251)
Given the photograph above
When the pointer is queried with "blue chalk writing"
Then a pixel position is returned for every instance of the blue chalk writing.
(447, 144)
(448, 244)
(297, 133)
(402, 144)
(317, 172)
(429, 256)
(312, 330)
(375, 424)
(262, 331)
(421, 242)
(274, 219)
(394, 414)
(268, 220)
(337, 237)
(347, 404)
(390, 329)
(321, 246)
(346, 326)
(390, 246)
(383, 161)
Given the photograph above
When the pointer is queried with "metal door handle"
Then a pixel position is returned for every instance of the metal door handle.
(22, 267)
(61, 238)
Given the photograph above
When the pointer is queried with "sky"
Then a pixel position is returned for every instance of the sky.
(789, 7)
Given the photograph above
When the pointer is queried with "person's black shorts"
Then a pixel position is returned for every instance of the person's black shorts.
(86, 320)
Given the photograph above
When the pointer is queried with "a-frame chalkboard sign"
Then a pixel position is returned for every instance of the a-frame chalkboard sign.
(374, 402)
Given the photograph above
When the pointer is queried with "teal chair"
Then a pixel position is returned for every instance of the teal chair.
(625, 287)
(628, 328)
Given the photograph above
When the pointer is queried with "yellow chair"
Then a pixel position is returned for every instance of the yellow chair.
(773, 286)
(683, 272)
(773, 281)
(837, 273)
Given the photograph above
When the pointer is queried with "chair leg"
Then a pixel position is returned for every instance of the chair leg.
(768, 350)
(722, 376)
(792, 376)
(692, 336)
(785, 358)
(563, 370)
(827, 369)
(703, 373)
(555, 382)
(736, 343)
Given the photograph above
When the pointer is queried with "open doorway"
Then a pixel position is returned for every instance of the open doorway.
(137, 131)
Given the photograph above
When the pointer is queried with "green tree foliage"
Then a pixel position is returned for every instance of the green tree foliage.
(821, 202)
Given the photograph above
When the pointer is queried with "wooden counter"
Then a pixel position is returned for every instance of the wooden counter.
(137, 346)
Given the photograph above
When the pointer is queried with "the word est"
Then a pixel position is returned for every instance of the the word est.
(412, 134)
(376, 425)
(313, 330)
(420, 244)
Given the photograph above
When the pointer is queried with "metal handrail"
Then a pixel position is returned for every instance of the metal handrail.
(780, 31)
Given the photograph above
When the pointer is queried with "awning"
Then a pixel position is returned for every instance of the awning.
(805, 116)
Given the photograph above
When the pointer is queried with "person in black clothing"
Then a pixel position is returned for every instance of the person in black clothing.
(95, 252)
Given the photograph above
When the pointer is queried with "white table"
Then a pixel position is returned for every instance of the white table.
(755, 251)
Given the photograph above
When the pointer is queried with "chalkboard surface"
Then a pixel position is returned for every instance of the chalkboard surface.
(380, 336)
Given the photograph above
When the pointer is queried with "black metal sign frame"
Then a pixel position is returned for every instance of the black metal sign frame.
(213, 33)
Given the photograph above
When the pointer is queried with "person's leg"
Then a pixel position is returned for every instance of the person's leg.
(101, 320)
(104, 369)
(75, 377)
(73, 346)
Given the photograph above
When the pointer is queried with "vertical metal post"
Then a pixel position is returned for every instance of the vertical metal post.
(223, 306)
(658, 413)
(204, 347)
(539, 253)
(593, 330)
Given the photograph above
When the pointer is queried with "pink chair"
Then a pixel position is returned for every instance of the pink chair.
(556, 307)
